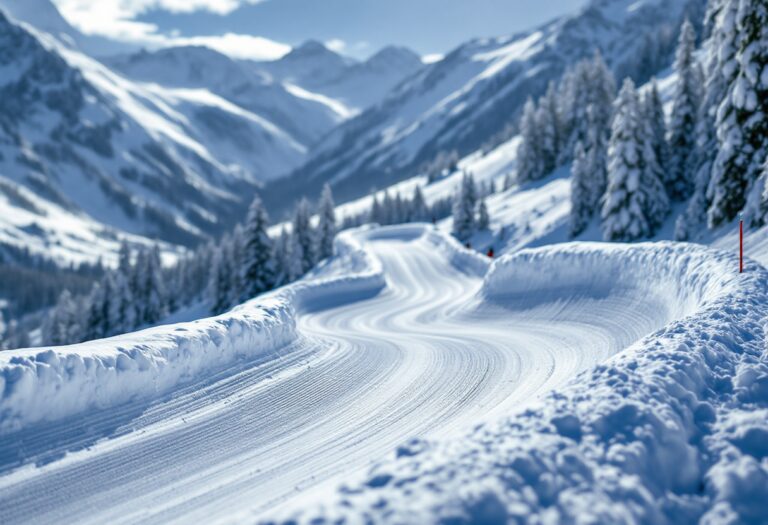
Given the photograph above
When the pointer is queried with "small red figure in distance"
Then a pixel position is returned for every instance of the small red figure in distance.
(490, 252)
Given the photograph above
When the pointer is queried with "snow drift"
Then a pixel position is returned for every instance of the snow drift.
(671, 430)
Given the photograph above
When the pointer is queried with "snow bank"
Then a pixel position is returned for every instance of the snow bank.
(671, 430)
(48, 384)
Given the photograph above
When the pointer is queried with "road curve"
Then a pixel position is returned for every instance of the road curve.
(423, 357)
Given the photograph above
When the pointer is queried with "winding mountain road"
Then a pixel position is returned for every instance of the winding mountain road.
(425, 357)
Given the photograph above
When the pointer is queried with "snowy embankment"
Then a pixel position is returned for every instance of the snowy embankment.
(48, 384)
(671, 430)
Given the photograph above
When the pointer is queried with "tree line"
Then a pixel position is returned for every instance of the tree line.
(141, 292)
(630, 163)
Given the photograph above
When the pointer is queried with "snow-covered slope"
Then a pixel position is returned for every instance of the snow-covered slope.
(175, 164)
(305, 117)
(43, 15)
(476, 91)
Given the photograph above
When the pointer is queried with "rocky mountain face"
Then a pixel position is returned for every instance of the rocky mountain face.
(478, 90)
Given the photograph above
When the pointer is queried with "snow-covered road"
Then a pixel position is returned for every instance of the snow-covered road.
(424, 357)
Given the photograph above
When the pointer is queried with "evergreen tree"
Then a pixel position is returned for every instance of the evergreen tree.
(581, 192)
(294, 268)
(464, 210)
(657, 131)
(549, 127)
(238, 289)
(707, 145)
(304, 233)
(123, 311)
(529, 165)
(63, 327)
(483, 219)
(741, 45)
(635, 202)
(419, 211)
(282, 254)
(95, 320)
(682, 128)
(601, 92)
(219, 288)
(258, 270)
(596, 155)
(576, 93)
(376, 215)
(155, 307)
(326, 229)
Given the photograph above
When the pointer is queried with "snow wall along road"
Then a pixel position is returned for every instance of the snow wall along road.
(674, 429)
(43, 385)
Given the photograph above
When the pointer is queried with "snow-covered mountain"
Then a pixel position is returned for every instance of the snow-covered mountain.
(478, 89)
(43, 15)
(306, 117)
(83, 144)
(357, 85)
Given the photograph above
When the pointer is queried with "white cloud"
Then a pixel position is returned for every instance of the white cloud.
(115, 19)
(431, 59)
(336, 44)
(238, 46)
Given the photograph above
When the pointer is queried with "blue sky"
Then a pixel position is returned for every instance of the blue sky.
(268, 27)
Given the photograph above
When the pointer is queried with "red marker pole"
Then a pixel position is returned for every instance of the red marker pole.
(741, 244)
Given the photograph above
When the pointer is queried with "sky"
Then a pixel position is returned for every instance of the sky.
(267, 29)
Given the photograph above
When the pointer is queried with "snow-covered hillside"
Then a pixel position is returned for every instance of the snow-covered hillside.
(109, 155)
(476, 91)
(306, 116)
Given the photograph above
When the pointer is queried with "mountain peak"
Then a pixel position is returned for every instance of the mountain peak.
(312, 47)
(394, 56)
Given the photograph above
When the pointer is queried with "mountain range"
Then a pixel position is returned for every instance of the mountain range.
(169, 144)
(172, 144)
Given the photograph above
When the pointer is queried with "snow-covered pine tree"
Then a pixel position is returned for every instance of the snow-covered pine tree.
(219, 287)
(653, 113)
(596, 155)
(419, 211)
(238, 288)
(464, 209)
(375, 215)
(529, 164)
(294, 268)
(635, 202)
(601, 92)
(304, 233)
(258, 269)
(740, 43)
(581, 192)
(549, 128)
(707, 145)
(137, 283)
(156, 305)
(63, 326)
(95, 314)
(326, 229)
(575, 98)
(281, 257)
(483, 218)
(682, 127)
(123, 309)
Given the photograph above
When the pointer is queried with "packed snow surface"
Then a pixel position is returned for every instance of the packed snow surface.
(403, 338)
